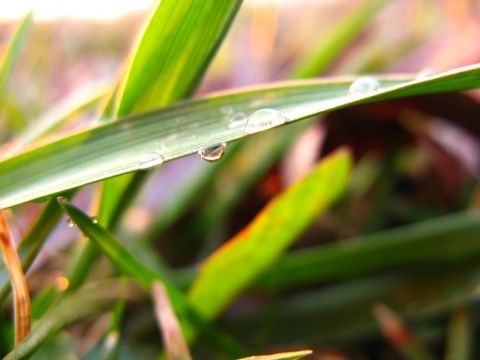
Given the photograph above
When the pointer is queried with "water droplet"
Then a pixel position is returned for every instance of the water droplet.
(237, 119)
(213, 153)
(425, 74)
(94, 219)
(364, 85)
(71, 223)
(150, 160)
(264, 119)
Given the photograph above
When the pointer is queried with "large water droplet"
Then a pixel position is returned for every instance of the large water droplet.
(94, 219)
(237, 119)
(150, 160)
(264, 119)
(364, 85)
(213, 153)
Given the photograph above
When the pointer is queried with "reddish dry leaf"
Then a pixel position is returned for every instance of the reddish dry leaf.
(21, 296)
(173, 339)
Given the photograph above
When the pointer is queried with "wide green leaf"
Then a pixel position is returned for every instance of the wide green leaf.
(147, 140)
(232, 267)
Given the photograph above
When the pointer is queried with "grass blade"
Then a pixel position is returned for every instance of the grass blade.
(452, 238)
(130, 265)
(145, 141)
(173, 52)
(460, 334)
(331, 46)
(9, 59)
(273, 148)
(21, 296)
(74, 307)
(173, 340)
(33, 241)
(229, 270)
(398, 333)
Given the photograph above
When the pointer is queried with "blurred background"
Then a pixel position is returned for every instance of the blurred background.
(417, 159)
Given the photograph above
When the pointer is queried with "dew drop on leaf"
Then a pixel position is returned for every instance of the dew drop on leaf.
(150, 160)
(71, 223)
(94, 219)
(213, 153)
(364, 85)
(264, 119)
(237, 119)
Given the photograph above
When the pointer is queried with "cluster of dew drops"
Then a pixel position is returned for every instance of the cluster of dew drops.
(259, 121)
(267, 118)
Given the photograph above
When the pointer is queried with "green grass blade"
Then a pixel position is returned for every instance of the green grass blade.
(169, 60)
(33, 241)
(334, 43)
(460, 334)
(229, 270)
(74, 307)
(452, 238)
(146, 140)
(84, 98)
(174, 51)
(130, 265)
(316, 62)
(343, 311)
(10, 57)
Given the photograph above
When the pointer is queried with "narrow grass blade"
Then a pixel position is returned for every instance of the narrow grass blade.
(9, 59)
(21, 296)
(460, 334)
(33, 241)
(399, 335)
(173, 51)
(452, 238)
(130, 265)
(145, 141)
(173, 339)
(111, 343)
(230, 269)
(342, 311)
(82, 99)
(294, 355)
(333, 43)
(74, 307)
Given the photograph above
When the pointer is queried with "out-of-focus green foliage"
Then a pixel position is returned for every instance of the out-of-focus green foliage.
(391, 219)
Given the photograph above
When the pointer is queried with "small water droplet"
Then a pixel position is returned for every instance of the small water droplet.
(425, 74)
(264, 119)
(150, 160)
(71, 223)
(94, 219)
(213, 153)
(237, 119)
(364, 85)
